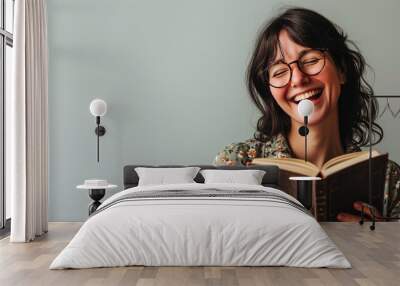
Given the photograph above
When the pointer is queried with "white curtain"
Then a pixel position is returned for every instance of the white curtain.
(27, 118)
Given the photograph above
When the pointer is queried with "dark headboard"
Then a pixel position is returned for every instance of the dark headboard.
(271, 177)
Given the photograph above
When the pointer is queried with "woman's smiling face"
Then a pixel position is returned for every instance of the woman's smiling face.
(301, 86)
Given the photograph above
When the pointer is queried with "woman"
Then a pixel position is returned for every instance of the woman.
(301, 54)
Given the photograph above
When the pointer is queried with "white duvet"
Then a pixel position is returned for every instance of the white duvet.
(200, 231)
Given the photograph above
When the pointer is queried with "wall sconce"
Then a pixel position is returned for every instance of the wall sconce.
(305, 109)
(304, 184)
(98, 108)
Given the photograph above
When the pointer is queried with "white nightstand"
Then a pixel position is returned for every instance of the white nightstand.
(96, 192)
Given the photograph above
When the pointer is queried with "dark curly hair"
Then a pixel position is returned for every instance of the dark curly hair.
(310, 29)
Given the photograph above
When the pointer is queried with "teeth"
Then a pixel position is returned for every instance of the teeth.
(307, 94)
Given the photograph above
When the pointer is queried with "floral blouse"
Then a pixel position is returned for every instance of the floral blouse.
(243, 154)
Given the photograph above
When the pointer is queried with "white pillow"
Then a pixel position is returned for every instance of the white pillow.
(164, 176)
(248, 177)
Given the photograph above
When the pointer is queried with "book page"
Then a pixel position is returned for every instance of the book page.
(339, 159)
(293, 165)
(341, 162)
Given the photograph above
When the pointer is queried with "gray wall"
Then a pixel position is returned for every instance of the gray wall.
(172, 73)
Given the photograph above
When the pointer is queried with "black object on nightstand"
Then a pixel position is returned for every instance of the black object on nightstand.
(304, 193)
(304, 189)
(96, 195)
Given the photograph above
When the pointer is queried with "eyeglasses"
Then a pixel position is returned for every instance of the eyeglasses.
(310, 63)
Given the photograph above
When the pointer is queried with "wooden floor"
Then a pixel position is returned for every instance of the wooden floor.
(375, 257)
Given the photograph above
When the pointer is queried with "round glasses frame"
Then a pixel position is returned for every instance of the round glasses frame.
(323, 51)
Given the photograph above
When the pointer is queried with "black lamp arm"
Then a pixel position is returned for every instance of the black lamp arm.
(305, 137)
(100, 131)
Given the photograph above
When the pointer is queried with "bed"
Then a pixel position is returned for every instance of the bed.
(201, 224)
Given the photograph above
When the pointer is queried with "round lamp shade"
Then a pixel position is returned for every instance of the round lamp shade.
(98, 107)
(305, 107)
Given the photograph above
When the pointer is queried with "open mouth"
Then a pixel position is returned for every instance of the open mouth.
(310, 95)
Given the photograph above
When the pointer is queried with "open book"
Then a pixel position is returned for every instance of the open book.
(344, 180)
(330, 167)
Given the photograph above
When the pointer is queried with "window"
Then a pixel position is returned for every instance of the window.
(6, 44)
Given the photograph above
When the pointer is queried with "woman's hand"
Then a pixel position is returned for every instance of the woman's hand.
(346, 217)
